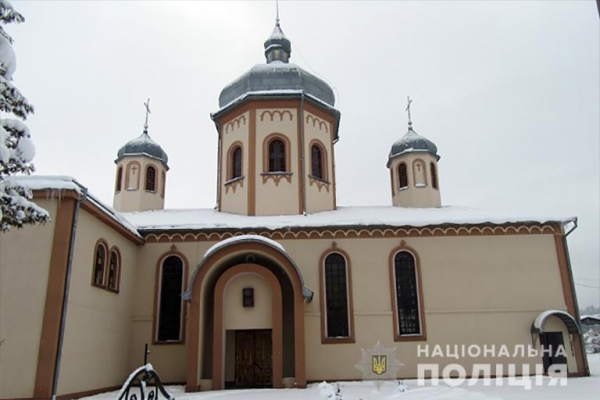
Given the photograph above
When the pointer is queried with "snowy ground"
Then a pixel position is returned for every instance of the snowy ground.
(577, 388)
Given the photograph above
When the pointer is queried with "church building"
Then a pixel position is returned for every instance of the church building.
(278, 285)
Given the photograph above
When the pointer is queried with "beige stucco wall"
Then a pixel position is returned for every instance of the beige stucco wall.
(98, 325)
(272, 198)
(319, 197)
(235, 315)
(419, 192)
(133, 196)
(23, 284)
(480, 289)
(234, 197)
(483, 290)
(170, 360)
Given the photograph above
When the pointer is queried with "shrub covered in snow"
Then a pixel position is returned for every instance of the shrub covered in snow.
(592, 339)
(16, 148)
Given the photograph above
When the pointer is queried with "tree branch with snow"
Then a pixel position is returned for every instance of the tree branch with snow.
(16, 147)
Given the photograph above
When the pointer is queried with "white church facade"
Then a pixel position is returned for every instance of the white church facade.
(278, 286)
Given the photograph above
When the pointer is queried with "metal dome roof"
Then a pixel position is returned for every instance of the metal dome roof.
(143, 145)
(412, 142)
(277, 76)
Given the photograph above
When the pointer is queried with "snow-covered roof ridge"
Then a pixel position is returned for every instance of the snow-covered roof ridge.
(65, 182)
(374, 216)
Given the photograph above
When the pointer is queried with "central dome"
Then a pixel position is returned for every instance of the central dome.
(278, 76)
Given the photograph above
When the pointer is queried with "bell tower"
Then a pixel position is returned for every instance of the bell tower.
(277, 127)
(141, 177)
(414, 170)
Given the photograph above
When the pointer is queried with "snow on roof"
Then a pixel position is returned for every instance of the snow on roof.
(242, 238)
(199, 219)
(538, 323)
(62, 182)
(593, 316)
(210, 219)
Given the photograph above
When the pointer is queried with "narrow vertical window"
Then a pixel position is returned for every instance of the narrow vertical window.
(99, 265)
(113, 270)
(336, 296)
(402, 175)
(151, 179)
(164, 184)
(277, 156)
(119, 179)
(236, 163)
(316, 162)
(407, 295)
(434, 182)
(170, 307)
(420, 175)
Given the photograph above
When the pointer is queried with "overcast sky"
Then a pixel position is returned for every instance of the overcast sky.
(509, 92)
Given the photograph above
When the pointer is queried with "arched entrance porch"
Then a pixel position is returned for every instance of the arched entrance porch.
(228, 260)
(558, 335)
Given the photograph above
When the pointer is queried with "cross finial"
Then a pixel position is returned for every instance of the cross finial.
(147, 105)
(408, 100)
(276, 12)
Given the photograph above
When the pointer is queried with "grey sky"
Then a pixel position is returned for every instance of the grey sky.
(509, 92)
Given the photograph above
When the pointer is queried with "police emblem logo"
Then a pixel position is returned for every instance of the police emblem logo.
(379, 364)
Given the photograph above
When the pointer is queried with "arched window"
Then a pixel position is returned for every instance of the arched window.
(114, 267)
(119, 179)
(402, 176)
(336, 297)
(317, 162)
(236, 163)
(277, 156)
(99, 265)
(170, 302)
(151, 179)
(434, 182)
(407, 294)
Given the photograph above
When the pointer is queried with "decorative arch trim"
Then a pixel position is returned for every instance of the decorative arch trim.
(117, 284)
(323, 298)
(537, 326)
(208, 263)
(422, 174)
(288, 156)
(104, 244)
(324, 161)
(135, 184)
(258, 245)
(151, 178)
(397, 336)
(172, 252)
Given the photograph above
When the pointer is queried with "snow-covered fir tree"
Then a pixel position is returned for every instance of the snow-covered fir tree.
(16, 148)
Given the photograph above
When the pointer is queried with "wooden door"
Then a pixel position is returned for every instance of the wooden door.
(253, 358)
(555, 353)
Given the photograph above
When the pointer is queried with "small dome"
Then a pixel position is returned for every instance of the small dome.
(412, 142)
(278, 40)
(143, 145)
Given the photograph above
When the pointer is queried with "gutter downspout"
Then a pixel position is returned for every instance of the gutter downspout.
(302, 155)
(219, 144)
(586, 365)
(63, 315)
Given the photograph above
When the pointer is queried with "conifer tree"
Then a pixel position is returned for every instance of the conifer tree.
(16, 148)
